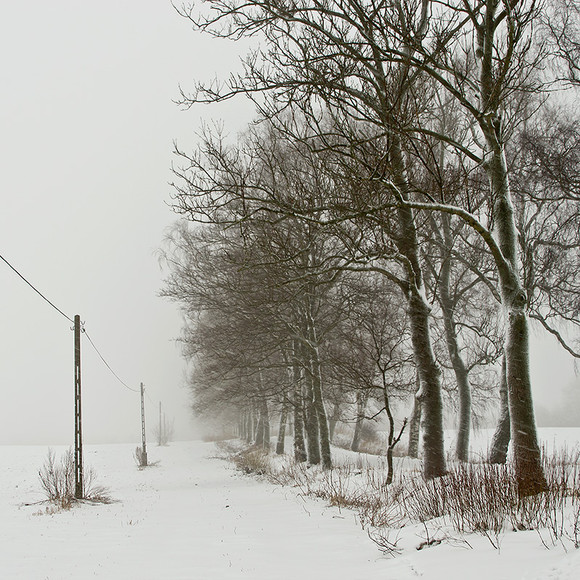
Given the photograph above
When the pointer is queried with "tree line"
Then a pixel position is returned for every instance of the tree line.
(405, 201)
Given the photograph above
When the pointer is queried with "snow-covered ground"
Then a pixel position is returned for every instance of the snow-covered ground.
(193, 516)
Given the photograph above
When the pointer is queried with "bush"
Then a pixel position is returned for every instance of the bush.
(471, 498)
(57, 478)
(140, 457)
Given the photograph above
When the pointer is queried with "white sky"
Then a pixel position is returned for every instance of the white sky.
(87, 124)
(86, 130)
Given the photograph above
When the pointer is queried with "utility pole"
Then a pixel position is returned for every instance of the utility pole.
(160, 440)
(144, 447)
(78, 425)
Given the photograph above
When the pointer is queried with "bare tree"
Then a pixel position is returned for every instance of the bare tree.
(388, 98)
(369, 62)
(562, 21)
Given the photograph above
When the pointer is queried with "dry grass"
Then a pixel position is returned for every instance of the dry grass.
(473, 498)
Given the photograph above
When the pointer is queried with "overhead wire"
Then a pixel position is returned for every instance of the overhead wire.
(107, 364)
(70, 320)
(35, 289)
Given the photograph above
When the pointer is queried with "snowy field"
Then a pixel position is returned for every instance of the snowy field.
(192, 516)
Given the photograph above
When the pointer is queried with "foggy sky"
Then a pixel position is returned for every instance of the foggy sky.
(87, 124)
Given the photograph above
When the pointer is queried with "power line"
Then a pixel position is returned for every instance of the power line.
(107, 364)
(35, 289)
(70, 320)
(150, 399)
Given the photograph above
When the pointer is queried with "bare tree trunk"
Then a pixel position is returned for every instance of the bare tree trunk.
(459, 368)
(299, 445)
(311, 425)
(526, 449)
(282, 430)
(529, 471)
(527, 456)
(318, 399)
(360, 412)
(249, 426)
(415, 423)
(263, 431)
(392, 440)
(419, 312)
(310, 414)
(242, 425)
(431, 402)
(321, 416)
(528, 467)
(259, 441)
(464, 427)
(333, 421)
(501, 438)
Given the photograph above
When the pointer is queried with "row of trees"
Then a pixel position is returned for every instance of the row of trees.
(405, 201)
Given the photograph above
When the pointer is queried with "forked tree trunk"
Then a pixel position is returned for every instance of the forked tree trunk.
(501, 437)
(419, 312)
(526, 450)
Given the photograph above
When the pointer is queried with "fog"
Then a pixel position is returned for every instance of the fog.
(88, 122)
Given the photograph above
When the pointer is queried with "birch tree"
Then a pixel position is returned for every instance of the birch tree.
(369, 61)
(324, 57)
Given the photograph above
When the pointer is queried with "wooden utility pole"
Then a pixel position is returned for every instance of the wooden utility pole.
(144, 447)
(78, 424)
(160, 440)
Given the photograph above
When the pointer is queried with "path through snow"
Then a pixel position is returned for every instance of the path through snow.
(194, 517)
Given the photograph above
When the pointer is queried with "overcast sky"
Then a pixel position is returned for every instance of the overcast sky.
(86, 130)
(87, 124)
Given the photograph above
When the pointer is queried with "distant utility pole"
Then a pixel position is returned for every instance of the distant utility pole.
(78, 425)
(144, 447)
(159, 439)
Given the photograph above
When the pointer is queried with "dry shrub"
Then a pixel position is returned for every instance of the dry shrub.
(472, 498)
(140, 457)
(483, 498)
(57, 478)
(251, 461)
